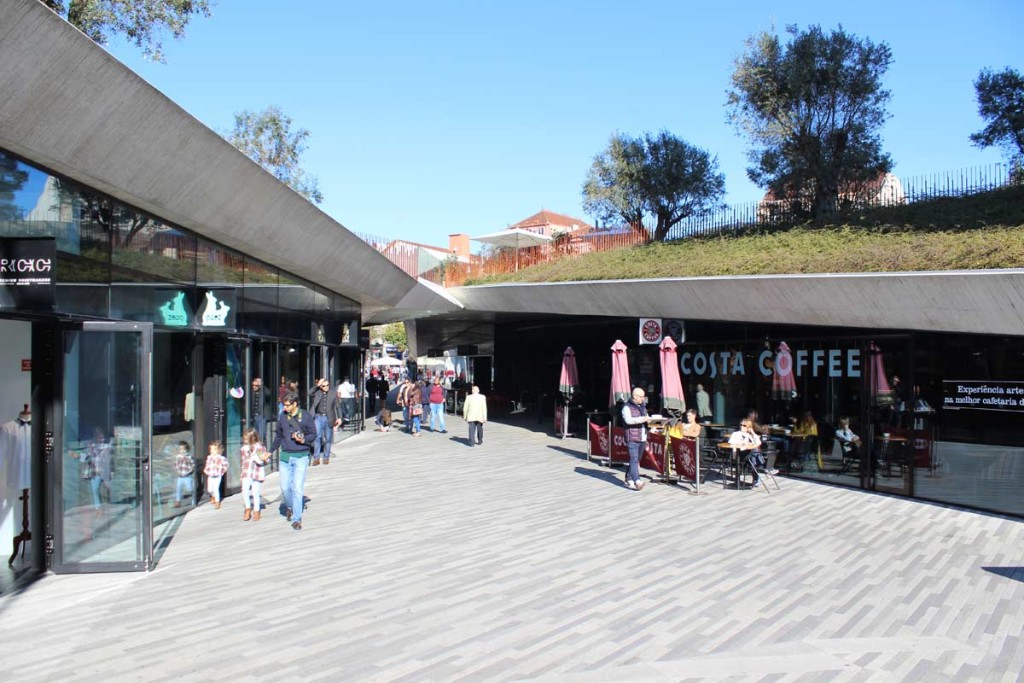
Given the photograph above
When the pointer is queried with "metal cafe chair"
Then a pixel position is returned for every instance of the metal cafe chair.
(770, 454)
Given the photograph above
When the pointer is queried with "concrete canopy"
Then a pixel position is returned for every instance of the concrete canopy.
(70, 107)
(985, 302)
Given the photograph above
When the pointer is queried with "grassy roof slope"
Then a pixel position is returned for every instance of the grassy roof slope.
(982, 231)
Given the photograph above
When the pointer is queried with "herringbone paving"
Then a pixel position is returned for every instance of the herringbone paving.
(426, 560)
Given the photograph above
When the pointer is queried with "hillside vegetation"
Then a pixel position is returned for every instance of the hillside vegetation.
(982, 231)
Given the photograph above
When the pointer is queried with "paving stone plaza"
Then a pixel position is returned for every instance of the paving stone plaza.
(426, 560)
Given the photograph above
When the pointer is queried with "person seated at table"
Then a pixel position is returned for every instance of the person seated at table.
(692, 428)
(848, 441)
(806, 425)
(747, 440)
(765, 432)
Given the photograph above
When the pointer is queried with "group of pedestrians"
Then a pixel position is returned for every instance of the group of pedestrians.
(429, 397)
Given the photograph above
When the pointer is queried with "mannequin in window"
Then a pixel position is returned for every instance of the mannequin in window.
(16, 461)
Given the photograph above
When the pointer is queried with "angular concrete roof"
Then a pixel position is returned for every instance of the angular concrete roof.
(70, 107)
(982, 301)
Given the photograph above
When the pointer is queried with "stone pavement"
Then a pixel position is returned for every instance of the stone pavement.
(426, 560)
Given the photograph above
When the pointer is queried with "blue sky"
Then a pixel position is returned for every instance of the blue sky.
(457, 116)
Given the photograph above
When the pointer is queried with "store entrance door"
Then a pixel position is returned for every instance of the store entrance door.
(102, 514)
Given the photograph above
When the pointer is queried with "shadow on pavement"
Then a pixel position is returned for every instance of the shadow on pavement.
(1015, 573)
(579, 455)
(603, 475)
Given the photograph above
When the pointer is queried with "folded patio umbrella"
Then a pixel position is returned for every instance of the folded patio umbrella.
(671, 385)
(569, 381)
(881, 392)
(621, 389)
(783, 378)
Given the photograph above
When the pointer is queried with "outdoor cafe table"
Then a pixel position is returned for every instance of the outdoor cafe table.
(736, 453)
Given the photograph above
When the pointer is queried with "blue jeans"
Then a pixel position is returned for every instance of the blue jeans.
(415, 424)
(323, 433)
(437, 413)
(293, 483)
(405, 419)
(183, 484)
(94, 486)
(635, 449)
(348, 409)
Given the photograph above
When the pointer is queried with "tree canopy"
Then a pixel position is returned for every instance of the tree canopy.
(141, 22)
(267, 138)
(1001, 105)
(653, 175)
(812, 109)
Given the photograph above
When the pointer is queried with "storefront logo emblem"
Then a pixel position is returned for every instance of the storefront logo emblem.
(215, 314)
(173, 312)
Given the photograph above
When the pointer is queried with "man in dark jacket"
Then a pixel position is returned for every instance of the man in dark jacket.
(324, 405)
(295, 430)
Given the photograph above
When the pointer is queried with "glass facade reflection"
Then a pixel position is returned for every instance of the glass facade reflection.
(209, 305)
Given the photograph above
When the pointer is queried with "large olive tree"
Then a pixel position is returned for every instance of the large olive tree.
(1001, 105)
(653, 175)
(812, 108)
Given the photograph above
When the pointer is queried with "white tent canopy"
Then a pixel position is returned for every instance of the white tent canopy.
(515, 238)
(386, 361)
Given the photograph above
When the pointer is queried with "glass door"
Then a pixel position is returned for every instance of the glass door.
(103, 520)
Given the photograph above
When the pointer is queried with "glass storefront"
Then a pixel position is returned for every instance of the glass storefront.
(216, 320)
(938, 416)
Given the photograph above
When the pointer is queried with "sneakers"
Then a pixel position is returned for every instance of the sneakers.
(288, 516)
(640, 485)
(247, 515)
(297, 526)
(327, 462)
(256, 516)
(631, 486)
(316, 462)
(773, 472)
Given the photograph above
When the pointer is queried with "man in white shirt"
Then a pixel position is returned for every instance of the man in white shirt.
(347, 394)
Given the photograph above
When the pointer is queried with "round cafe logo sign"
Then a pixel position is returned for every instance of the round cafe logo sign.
(651, 331)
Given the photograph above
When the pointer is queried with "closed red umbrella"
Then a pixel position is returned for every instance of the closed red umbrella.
(569, 382)
(671, 385)
(621, 389)
(783, 377)
(881, 392)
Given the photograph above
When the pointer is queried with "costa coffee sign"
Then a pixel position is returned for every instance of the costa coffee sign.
(650, 330)
(28, 273)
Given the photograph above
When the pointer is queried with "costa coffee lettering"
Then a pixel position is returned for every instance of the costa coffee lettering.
(814, 363)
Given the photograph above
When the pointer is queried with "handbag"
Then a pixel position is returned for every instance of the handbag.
(416, 409)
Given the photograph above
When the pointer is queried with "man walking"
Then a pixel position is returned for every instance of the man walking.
(474, 410)
(347, 394)
(371, 393)
(294, 432)
(257, 403)
(634, 414)
(326, 415)
(437, 397)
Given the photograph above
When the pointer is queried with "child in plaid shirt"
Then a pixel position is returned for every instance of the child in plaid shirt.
(254, 457)
(184, 466)
(216, 466)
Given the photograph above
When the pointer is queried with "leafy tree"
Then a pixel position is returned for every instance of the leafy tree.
(140, 21)
(656, 175)
(266, 137)
(1001, 104)
(813, 109)
(393, 333)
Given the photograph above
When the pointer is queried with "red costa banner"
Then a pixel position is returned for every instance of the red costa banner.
(653, 457)
(619, 451)
(684, 457)
(599, 445)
